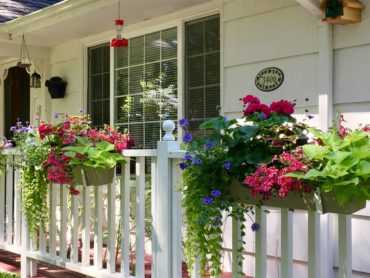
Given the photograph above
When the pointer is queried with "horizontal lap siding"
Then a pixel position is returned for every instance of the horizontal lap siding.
(268, 33)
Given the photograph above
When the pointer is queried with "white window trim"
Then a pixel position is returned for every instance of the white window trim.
(177, 19)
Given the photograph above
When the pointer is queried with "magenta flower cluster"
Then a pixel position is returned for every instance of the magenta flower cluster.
(267, 179)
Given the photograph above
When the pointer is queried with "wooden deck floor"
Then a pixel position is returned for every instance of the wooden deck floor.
(11, 262)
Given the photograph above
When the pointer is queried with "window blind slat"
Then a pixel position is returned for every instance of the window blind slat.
(202, 82)
(148, 81)
(99, 84)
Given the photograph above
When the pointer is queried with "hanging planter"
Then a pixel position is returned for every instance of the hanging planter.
(56, 87)
(323, 203)
(93, 177)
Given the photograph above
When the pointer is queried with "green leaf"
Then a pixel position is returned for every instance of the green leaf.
(338, 156)
(313, 174)
(335, 171)
(315, 152)
(77, 149)
(215, 123)
(83, 141)
(70, 154)
(354, 181)
(363, 169)
(248, 131)
(350, 161)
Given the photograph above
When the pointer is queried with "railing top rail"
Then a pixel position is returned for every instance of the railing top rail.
(140, 153)
(177, 154)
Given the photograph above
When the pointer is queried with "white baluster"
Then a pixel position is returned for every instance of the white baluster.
(125, 219)
(286, 243)
(111, 264)
(140, 216)
(345, 245)
(261, 239)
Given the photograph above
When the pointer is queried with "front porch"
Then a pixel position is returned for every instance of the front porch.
(106, 233)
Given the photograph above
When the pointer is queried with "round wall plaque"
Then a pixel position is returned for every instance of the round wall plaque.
(269, 79)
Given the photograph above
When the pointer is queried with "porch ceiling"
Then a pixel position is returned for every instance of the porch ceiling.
(85, 21)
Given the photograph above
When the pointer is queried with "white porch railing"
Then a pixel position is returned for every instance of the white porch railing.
(103, 215)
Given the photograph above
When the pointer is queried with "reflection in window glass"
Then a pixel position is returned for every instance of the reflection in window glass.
(146, 85)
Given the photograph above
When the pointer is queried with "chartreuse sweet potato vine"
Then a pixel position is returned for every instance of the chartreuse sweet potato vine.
(341, 163)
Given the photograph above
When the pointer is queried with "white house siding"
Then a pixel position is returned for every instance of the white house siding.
(258, 34)
(66, 61)
(264, 33)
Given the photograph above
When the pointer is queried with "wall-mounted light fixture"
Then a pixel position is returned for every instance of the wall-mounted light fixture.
(35, 80)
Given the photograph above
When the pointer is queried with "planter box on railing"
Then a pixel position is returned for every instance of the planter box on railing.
(93, 176)
(323, 203)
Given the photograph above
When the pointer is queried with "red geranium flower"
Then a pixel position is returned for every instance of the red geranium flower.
(282, 106)
(44, 130)
(251, 99)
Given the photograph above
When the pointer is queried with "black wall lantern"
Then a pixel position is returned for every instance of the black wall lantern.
(35, 81)
(56, 87)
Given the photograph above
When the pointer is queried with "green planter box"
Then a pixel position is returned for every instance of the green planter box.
(325, 203)
(93, 176)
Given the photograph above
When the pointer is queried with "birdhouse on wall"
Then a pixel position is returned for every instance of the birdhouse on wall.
(342, 11)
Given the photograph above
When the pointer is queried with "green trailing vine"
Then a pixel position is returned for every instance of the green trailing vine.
(34, 186)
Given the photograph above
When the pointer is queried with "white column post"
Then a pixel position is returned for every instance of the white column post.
(163, 223)
(325, 80)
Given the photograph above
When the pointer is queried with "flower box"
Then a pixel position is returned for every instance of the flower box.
(323, 203)
(93, 176)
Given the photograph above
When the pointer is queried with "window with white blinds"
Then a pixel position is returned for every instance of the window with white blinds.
(202, 63)
(98, 84)
(146, 85)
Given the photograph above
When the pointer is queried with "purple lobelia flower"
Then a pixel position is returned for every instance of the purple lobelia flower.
(209, 145)
(183, 166)
(207, 201)
(255, 227)
(216, 193)
(227, 165)
(197, 161)
(183, 123)
(188, 157)
(187, 138)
